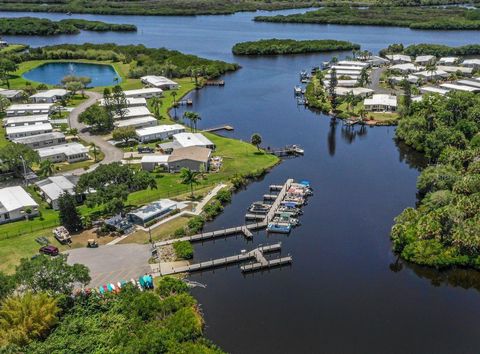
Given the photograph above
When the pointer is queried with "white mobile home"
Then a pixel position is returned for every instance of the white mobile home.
(42, 140)
(405, 68)
(148, 92)
(12, 95)
(15, 132)
(356, 91)
(131, 102)
(160, 82)
(194, 158)
(448, 60)
(473, 83)
(193, 139)
(139, 122)
(49, 96)
(425, 59)
(380, 103)
(472, 63)
(399, 58)
(431, 89)
(71, 152)
(456, 69)
(25, 120)
(150, 162)
(432, 75)
(134, 112)
(463, 88)
(361, 64)
(53, 187)
(159, 132)
(29, 109)
(16, 204)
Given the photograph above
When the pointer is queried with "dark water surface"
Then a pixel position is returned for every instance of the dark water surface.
(53, 73)
(345, 292)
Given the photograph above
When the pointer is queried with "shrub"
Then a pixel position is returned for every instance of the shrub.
(183, 249)
(212, 209)
(180, 232)
(195, 225)
(224, 196)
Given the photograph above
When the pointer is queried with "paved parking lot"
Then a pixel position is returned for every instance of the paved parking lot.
(110, 264)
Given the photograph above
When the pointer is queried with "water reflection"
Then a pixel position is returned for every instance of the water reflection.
(413, 158)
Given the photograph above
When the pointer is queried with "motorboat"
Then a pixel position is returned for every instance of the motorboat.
(297, 90)
(298, 150)
(282, 228)
(259, 208)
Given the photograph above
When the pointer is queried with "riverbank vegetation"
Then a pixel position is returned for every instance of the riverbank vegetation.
(438, 50)
(434, 18)
(32, 26)
(444, 230)
(291, 46)
(38, 314)
(190, 7)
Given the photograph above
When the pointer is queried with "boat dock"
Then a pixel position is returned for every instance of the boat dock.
(254, 217)
(221, 127)
(289, 150)
(257, 254)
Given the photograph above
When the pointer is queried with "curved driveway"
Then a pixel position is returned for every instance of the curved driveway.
(112, 154)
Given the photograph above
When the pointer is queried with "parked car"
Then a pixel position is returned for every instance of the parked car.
(49, 250)
(145, 150)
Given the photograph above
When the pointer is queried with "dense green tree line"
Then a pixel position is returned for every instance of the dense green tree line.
(444, 230)
(191, 7)
(145, 61)
(41, 316)
(290, 46)
(452, 18)
(442, 50)
(25, 26)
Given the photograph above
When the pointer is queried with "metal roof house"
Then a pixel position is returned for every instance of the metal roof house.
(356, 91)
(463, 88)
(194, 158)
(152, 211)
(405, 67)
(148, 92)
(380, 103)
(49, 96)
(138, 122)
(131, 102)
(41, 140)
(159, 132)
(15, 132)
(53, 187)
(71, 152)
(134, 112)
(28, 109)
(455, 69)
(431, 89)
(193, 139)
(151, 162)
(432, 75)
(12, 95)
(16, 204)
(159, 82)
(425, 59)
(25, 120)
(399, 58)
(472, 63)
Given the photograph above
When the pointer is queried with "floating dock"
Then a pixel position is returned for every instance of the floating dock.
(221, 127)
(258, 254)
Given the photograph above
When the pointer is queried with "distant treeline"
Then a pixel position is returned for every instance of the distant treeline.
(25, 26)
(439, 50)
(290, 46)
(450, 18)
(142, 60)
(193, 7)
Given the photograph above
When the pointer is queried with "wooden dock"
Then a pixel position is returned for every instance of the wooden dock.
(221, 127)
(257, 254)
(271, 213)
(254, 217)
(215, 83)
(286, 151)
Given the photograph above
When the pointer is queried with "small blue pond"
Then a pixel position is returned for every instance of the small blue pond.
(53, 73)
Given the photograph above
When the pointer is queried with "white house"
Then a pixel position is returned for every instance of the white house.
(152, 211)
(193, 139)
(71, 152)
(138, 122)
(473, 83)
(380, 103)
(405, 67)
(349, 68)
(455, 69)
(53, 187)
(159, 132)
(194, 158)
(472, 63)
(356, 91)
(160, 82)
(432, 75)
(135, 112)
(29, 109)
(12, 95)
(399, 58)
(361, 64)
(410, 78)
(431, 89)
(425, 59)
(463, 88)
(346, 72)
(15, 132)
(148, 92)
(150, 162)
(131, 102)
(49, 96)
(25, 120)
(16, 204)
(378, 61)
(41, 140)
(448, 60)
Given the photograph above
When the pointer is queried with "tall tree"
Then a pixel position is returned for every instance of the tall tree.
(7, 66)
(407, 96)
(124, 134)
(331, 88)
(26, 318)
(68, 213)
(256, 140)
(98, 118)
(15, 157)
(189, 177)
(4, 104)
(119, 101)
(157, 104)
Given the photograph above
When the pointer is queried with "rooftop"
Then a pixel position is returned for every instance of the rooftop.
(131, 112)
(142, 91)
(159, 129)
(192, 139)
(399, 57)
(25, 119)
(460, 87)
(155, 158)
(153, 209)
(55, 186)
(134, 121)
(14, 198)
(30, 106)
(67, 149)
(196, 153)
(131, 101)
(381, 100)
(28, 128)
(50, 93)
(157, 80)
(39, 138)
(424, 58)
(434, 90)
(9, 93)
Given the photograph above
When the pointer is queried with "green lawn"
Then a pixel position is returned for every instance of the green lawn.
(13, 48)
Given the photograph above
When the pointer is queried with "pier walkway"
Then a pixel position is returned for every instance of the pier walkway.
(257, 254)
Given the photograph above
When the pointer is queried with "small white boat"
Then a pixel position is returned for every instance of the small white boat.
(298, 149)
(297, 90)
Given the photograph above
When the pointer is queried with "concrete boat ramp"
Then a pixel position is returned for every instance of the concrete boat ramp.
(257, 254)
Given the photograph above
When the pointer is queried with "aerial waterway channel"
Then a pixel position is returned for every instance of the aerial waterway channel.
(345, 291)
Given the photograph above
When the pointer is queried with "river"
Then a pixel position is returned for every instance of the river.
(345, 292)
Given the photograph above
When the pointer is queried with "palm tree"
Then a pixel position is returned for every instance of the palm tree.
(349, 100)
(95, 153)
(157, 103)
(47, 168)
(363, 114)
(174, 94)
(23, 319)
(189, 177)
(188, 115)
(431, 69)
(195, 117)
